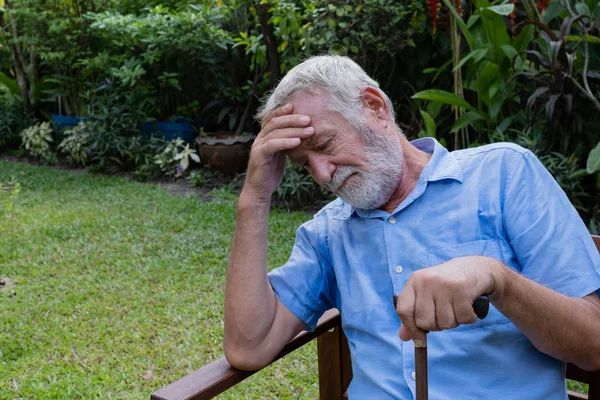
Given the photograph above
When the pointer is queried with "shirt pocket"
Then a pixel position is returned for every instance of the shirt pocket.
(487, 248)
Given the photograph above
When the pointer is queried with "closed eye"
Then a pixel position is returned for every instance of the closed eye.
(323, 146)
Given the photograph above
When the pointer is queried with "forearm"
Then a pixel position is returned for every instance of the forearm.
(563, 327)
(250, 304)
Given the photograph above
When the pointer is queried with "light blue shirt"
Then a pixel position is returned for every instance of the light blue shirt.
(496, 201)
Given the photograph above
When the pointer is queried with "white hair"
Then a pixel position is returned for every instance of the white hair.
(341, 77)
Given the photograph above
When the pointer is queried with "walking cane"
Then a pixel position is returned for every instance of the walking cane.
(481, 306)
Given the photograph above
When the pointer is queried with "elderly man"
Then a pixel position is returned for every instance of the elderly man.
(437, 228)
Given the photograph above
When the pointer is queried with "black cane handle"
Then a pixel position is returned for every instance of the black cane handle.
(481, 306)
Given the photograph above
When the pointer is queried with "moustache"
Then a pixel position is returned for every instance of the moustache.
(340, 176)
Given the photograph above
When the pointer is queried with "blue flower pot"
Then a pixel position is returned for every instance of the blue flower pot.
(179, 127)
(63, 122)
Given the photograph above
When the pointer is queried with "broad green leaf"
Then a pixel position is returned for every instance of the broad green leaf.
(465, 120)
(504, 125)
(504, 9)
(509, 51)
(472, 20)
(185, 163)
(593, 161)
(490, 74)
(444, 97)
(554, 10)
(495, 29)
(477, 55)
(11, 84)
(586, 38)
(582, 8)
(430, 125)
(522, 41)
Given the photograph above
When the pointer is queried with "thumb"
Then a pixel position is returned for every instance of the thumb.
(418, 336)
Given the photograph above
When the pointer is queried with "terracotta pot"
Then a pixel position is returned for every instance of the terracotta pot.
(224, 152)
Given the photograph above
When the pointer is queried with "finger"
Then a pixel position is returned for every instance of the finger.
(284, 109)
(286, 121)
(444, 314)
(301, 133)
(425, 311)
(463, 311)
(276, 145)
(406, 311)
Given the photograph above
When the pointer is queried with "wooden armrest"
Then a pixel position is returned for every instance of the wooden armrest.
(218, 376)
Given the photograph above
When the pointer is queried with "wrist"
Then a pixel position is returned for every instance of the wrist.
(500, 278)
(250, 201)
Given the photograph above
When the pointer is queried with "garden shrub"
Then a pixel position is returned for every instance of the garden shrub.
(175, 158)
(38, 139)
(298, 187)
(76, 143)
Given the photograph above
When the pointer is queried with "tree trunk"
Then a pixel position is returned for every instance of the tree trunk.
(16, 53)
(268, 32)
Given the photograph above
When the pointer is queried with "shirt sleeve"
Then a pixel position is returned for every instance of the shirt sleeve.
(550, 241)
(305, 284)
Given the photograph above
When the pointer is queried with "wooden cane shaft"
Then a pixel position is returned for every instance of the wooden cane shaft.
(421, 373)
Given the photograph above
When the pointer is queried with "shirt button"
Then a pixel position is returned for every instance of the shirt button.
(414, 375)
(398, 269)
(392, 220)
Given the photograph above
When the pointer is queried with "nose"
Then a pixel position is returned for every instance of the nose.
(321, 169)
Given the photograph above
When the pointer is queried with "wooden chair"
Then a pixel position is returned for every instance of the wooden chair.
(335, 369)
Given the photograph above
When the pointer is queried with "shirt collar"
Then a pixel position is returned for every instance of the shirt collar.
(441, 165)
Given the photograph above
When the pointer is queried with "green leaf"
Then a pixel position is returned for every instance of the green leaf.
(538, 92)
(525, 37)
(430, 125)
(593, 161)
(582, 8)
(472, 20)
(465, 120)
(185, 163)
(477, 55)
(495, 28)
(490, 74)
(441, 69)
(586, 38)
(11, 84)
(509, 51)
(444, 97)
(504, 125)
(504, 9)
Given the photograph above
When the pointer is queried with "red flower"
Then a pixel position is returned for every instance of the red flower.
(434, 11)
(543, 5)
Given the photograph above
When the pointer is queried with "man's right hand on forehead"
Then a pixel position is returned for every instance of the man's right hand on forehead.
(281, 131)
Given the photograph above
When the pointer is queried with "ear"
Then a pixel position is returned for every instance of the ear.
(374, 103)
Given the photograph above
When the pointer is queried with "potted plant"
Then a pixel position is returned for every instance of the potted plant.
(225, 142)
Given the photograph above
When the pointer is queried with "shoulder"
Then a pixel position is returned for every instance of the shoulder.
(497, 158)
(494, 150)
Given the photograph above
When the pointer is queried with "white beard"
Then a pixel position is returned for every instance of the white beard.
(372, 188)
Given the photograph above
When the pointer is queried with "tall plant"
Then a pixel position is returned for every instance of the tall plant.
(485, 91)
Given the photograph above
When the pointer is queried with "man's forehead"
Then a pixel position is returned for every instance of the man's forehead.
(309, 102)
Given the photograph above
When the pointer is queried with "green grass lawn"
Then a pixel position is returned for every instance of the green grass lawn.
(118, 289)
